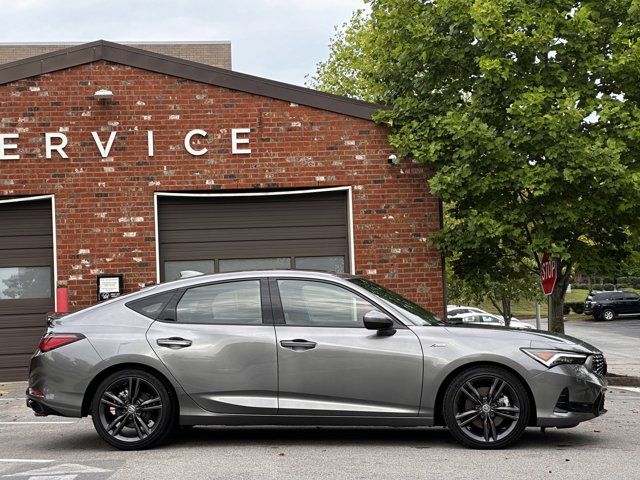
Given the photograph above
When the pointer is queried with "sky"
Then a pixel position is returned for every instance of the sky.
(278, 39)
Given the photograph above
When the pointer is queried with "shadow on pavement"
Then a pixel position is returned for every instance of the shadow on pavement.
(277, 437)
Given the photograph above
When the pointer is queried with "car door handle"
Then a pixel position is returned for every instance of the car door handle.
(298, 344)
(174, 342)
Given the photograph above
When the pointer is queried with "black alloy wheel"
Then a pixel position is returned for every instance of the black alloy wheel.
(486, 407)
(132, 410)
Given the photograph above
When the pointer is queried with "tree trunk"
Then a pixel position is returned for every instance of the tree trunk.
(556, 319)
(506, 311)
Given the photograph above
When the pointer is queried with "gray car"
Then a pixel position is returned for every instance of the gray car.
(304, 348)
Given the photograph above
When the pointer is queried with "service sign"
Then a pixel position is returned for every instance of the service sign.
(55, 143)
(109, 286)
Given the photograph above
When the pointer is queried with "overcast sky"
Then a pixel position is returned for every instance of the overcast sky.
(278, 39)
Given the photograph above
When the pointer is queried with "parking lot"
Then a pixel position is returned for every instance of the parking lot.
(59, 448)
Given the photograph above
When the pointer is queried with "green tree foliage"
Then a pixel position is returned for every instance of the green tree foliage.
(527, 112)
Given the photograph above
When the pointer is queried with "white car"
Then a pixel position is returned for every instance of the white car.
(456, 310)
(488, 319)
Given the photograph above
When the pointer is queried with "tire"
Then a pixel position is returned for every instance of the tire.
(132, 410)
(477, 422)
(608, 314)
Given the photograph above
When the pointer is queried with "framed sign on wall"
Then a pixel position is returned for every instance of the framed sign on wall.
(109, 286)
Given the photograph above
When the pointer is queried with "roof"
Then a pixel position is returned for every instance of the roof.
(198, 72)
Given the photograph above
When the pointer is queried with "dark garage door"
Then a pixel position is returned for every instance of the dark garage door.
(26, 282)
(228, 233)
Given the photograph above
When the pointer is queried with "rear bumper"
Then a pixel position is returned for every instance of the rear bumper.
(568, 395)
(40, 409)
(62, 377)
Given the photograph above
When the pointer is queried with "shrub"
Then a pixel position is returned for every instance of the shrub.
(580, 286)
(577, 307)
(622, 286)
(608, 287)
(597, 286)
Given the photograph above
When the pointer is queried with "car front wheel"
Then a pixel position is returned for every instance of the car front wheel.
(486, 407)
(132, 410)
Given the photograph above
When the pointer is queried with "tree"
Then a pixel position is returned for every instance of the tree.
(527, 113)
(473, 287)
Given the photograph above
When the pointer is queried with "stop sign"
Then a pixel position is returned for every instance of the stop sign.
(548, 274)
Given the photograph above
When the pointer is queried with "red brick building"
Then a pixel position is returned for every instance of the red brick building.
(177, 165)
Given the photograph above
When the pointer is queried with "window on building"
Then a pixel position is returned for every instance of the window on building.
(325, 263)
(173, 268)
(18, 283)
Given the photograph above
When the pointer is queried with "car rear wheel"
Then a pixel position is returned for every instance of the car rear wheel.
(608, 314)
(132, 410)
(486, 407)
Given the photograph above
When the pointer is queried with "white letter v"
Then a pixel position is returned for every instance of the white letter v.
(104, 151)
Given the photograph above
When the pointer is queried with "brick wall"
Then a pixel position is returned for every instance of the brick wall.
(217, 54)
(104, 207)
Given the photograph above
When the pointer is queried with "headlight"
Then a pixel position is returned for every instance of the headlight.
(551, 358)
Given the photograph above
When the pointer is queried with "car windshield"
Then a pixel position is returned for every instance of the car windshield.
(412, 311)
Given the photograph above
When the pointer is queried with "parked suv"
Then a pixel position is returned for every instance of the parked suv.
(609, 305)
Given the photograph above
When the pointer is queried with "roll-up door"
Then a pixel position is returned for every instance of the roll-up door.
(26, 282)
(229, 233)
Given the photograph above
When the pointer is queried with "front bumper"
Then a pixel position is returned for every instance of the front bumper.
(568, 395)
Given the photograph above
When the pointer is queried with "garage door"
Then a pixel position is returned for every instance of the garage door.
(26, 282)
(229, 233)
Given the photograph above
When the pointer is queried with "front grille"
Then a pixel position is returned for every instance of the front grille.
(599, 364)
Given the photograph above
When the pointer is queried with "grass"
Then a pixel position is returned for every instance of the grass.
(527, 309)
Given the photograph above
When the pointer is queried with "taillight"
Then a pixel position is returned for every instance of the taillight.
(55, 340)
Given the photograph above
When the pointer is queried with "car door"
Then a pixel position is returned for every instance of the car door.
(218, 341)
(631, 303)
(329, 364)
(617, 302)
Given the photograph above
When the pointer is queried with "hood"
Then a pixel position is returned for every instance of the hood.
(559, 340)
(537, 338)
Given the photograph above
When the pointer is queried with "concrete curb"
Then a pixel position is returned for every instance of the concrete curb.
(623, 380)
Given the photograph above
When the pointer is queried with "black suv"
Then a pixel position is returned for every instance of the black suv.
(609, 305)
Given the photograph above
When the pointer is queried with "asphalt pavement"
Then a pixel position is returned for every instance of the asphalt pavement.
(55, 448)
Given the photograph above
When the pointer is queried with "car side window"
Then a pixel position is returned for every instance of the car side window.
(319, 304)
(631, 296)
(235, 303)
(489, 319)
(151, 306)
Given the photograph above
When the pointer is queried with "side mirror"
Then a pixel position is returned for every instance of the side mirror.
(375, 320)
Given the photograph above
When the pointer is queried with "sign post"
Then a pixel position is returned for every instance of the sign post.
(548, 277)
